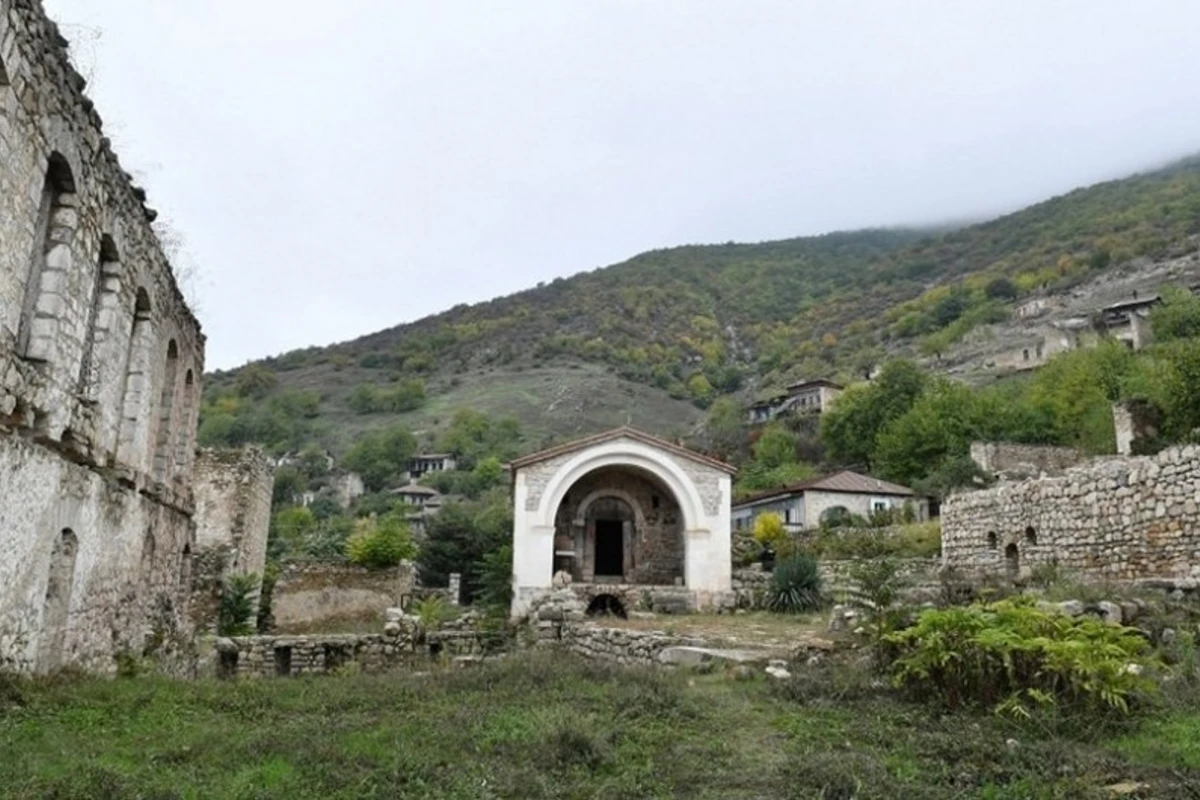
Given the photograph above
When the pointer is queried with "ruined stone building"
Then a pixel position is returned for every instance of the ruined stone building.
(1115, 518)
(621, 514)
(100, 366)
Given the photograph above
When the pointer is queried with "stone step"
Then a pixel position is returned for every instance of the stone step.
(683, 656)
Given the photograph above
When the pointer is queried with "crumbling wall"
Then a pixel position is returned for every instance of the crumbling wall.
(1022, 460)
(233, 505)
(100, 366)
(307, 595)
(1118, 518)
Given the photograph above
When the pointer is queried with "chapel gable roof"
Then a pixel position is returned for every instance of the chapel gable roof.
(624, 432)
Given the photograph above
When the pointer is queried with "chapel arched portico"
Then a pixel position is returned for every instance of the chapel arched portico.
(621, 508)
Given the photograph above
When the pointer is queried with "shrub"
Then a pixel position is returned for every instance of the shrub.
(1016, 658)
(795, 586)
(382, 544)
(875, 588)
(769, 530)
(236, 613)
(920, 540)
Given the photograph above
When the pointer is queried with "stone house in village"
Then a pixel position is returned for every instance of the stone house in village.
(805, 397)
(621, 515)
(808, 504)
(424, 502)
(100, 368)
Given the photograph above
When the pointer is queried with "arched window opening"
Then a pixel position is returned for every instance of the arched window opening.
(50, 266)
(1012, 561)
(57, 605)
(606, 605)
(166, 403)
(105, 296)
(183, 434)
(134, 392)
(1030, 535)
(991, 540)
(4, 80)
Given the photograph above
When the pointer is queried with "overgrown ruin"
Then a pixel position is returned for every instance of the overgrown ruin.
(100, 368)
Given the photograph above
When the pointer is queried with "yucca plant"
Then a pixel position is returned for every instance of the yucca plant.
(795, 586)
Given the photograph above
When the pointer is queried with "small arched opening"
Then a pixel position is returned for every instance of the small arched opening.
(101, 313)
(607, 605)
(1030, 535)
(57, 604)
(1012, 561)
(50, 268)
(134, 390)
(166, 407)
(5, 82)
(992, 540)
(183, 435)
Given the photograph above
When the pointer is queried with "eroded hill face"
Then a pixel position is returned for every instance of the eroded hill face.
(652, 340)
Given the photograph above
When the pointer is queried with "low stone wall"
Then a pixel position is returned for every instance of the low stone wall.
(281, 656)
(310, 595)
(617, 645)
(1112, 519)
(1023, 460)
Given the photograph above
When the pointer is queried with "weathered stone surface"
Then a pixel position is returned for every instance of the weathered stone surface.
(100, 366)
(312, 594)
(694, 656)
(1114, 518)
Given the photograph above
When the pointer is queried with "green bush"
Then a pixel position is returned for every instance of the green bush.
(1016, 658)
(919, 540)
(381, 544)
(795, 586)
(235, 616)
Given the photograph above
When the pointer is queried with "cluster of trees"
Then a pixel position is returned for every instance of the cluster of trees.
(407, 395)
(916, 428)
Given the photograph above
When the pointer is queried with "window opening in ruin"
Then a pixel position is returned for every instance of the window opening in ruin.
(336, 655)
(137, 359)
(183, 433)
(1012, 560)
(991, 540)
(1030, 535)
(50, 264)
(227, 664)
(654, 501)
(105, 289)
(4, 81)
(166, 402)
(606, 605)
(1025, 354)
(610, 548)
(283, 661)
(57, 605)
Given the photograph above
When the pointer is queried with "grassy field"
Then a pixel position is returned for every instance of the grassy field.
(549, 726)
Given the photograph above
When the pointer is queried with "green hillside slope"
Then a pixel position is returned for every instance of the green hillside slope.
(653, 339)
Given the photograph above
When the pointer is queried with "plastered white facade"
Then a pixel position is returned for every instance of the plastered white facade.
(701, 490)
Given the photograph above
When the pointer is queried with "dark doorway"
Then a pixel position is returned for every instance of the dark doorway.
(1012, 558)
(606, 605)
(610, 547)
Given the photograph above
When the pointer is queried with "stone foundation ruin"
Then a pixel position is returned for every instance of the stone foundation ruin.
(1112, 519)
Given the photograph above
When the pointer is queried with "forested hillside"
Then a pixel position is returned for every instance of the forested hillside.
(653, 340)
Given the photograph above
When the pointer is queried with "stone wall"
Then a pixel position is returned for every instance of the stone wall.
(1118, 518)
(1022, 460)
(282, 656)
(308, 595)
(100, 367)
(233, 505)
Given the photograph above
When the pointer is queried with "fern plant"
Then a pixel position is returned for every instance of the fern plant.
(795, 586)
(238, 597)
(1016, 658)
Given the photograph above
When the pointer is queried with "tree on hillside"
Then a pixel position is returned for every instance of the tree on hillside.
(1178, 317)
(381, 457)
(849, 428)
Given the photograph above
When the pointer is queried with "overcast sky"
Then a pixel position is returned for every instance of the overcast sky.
(341, 167)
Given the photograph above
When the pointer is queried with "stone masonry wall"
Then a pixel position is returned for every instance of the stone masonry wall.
(233, 504)
(1025, 460)
(100, 368)
(318, 594)
(1119, 518)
